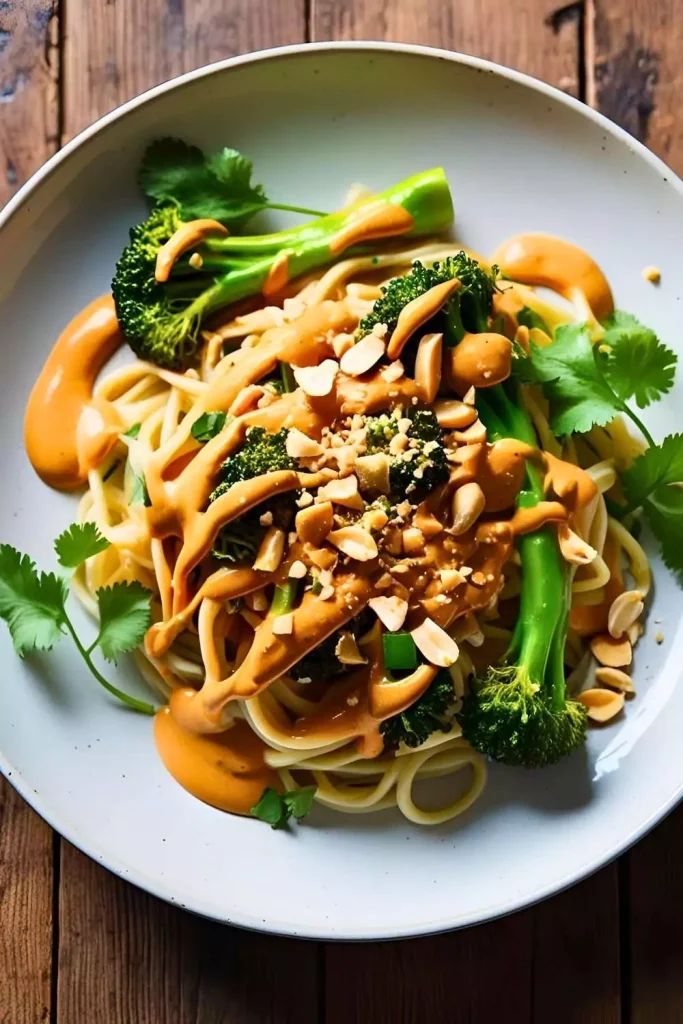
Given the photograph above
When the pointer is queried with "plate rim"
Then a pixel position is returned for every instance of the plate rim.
(50, 814)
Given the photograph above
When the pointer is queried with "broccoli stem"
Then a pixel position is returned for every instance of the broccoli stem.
(540, 632)
(425, 196)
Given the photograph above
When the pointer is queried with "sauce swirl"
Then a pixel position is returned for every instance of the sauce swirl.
(67, 432)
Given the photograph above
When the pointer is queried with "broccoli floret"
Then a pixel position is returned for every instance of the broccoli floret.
(143, 305)
(161, 321)
(467, 310)
(261, 453)
(427, 715)
(520, 713)
(322, 662)
(239, 541)
(423, 466)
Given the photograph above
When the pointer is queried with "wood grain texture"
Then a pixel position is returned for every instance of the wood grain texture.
(29, 67)
(118, 48)
(127, 957)
(523, 34)
(478, 975)
(576, 954)
(25, 911)
(655, 933)
(639, 73)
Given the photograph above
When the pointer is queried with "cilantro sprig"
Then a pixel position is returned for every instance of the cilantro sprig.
(33, 604)
(276, 809)
(587, 385)
(654, 482)
(217, 186)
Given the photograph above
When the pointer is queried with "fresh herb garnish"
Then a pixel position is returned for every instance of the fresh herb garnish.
(584, 382)
(638, 365)
(218, 186)
(208, 425)
(133, 431)
(654, 483)
(587, 385)
(33, 604)
(276, 809)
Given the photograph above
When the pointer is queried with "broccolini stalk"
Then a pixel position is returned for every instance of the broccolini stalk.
(161, 320)
(519, 713)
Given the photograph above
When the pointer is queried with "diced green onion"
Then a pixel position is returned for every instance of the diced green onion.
(400, 651)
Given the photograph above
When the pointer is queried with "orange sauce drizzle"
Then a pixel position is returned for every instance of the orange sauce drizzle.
(226, 770)
(67, 432)
(539, 259)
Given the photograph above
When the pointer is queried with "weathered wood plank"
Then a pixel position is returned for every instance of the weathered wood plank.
(467, 976)
(117, 49)
(25, 911)
(655, 927)
(29, 68)
(125, 956)
(638, 71)
(576, 954)
(523, 34)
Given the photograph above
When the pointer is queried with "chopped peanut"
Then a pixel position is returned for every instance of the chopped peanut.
(343, 491)
(313, 524)
(355, 542)
(436, 645)
(301, 446)
(602, 705)
(610, 652)
(271, 550)
(391, 611)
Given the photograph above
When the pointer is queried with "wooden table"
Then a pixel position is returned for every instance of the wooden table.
(78, 945)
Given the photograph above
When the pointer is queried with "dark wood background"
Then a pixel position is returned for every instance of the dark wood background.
(78, 945)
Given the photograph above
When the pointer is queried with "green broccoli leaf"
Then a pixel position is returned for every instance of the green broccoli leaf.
(79, 542)
(638, 365)
(124, 618)
(579, 395)
(208, 425)
(31, 603)
(218, 187)
(277, 808)
(654, 482)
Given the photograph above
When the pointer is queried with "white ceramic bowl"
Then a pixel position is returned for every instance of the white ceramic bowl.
(520, 156)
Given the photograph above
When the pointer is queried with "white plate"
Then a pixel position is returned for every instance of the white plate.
(520, 156)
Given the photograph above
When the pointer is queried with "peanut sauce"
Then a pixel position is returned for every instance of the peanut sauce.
(226, 770)
(377, 220)
(186, 237)
(539, 259)
(67, 432)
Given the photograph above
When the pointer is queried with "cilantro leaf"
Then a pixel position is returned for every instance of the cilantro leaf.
(277, 808)
(654, 483)
(300, 801)
(208, 425)
(31, 603)
(124, 618)
(579, 395)
(638, 365)
(79, 542)
(218, 187)
(133, 431)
